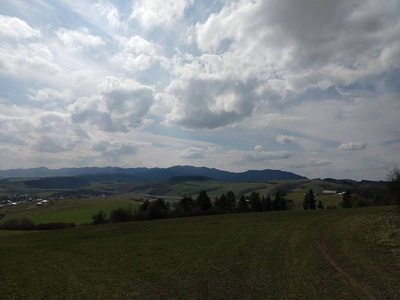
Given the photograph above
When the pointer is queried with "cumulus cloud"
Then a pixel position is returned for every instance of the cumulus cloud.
(207, 92)
(192, 153)
(114, 148)
(79, 39)
(353, 146)
(266, 155)
(151, 13)
(325, 44)
(210, 104)
(50, 95)
(258, 147)
(137, 54)
(284, 139)
(121, 105)
(17, 28)
(31, 60)
(112, 15)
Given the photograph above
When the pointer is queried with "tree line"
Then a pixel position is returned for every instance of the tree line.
(25, 223)
(189, 206)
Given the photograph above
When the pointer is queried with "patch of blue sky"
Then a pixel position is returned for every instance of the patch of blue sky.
(11, 91)
(200, 11)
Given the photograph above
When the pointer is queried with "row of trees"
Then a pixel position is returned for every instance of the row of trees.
(188, 206)
(310, 203)
(25, 223)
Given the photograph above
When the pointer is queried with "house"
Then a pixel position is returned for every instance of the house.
(329, 192)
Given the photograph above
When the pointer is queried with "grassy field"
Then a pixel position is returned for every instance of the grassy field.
(78, 211)
(329, 254)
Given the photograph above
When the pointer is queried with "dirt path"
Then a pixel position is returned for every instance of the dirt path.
(323, 248)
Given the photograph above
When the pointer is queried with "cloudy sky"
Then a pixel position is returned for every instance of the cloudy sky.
(307, 86)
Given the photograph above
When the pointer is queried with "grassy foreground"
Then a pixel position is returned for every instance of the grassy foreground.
(329, 254)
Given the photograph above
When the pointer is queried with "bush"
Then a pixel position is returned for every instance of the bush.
(121, 215)
(157, 209)
(99, 218)
(52, 226)
(26, 224)
(10, 224)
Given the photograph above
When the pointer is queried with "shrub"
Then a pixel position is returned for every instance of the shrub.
(99, 218)
(10, 224)
(26, 224)
(52, 226)
(121, 215)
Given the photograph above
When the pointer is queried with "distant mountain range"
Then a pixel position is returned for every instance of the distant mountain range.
(145, 174)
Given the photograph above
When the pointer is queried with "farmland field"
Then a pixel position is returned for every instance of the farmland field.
(78, 211)
(325, 254)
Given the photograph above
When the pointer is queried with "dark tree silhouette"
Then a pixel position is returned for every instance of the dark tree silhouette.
(242, 204)
(346, 200)
(203, 201)
(393, 179)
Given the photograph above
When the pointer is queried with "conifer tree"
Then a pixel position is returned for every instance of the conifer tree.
(346, 200)
(320, 205)
(311, 200)
(242, 204)
(305, 202)
(255, 201)
(266, 203)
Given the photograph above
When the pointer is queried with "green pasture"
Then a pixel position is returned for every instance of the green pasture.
(217, 188)
(329, 254)
(327, 200)
(78, 211)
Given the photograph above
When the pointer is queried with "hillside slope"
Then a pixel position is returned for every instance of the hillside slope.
(142, 174)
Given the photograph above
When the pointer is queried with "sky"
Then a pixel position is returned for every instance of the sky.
(311, 87)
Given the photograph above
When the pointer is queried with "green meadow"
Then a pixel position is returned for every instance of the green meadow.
(323, 254)
(78, 211)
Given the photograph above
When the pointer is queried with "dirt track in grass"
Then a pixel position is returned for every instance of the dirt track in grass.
(323, 247)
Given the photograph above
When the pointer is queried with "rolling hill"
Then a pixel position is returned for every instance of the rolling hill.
(144, 174)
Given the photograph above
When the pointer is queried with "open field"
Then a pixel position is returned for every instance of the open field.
(78, 211)
(330, 254)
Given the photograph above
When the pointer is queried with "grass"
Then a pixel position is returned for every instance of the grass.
(270, 255)
(327, 200)
(78, 211)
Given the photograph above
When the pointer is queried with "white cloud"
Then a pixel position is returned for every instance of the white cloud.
(284, 139)
(207, 92)
(48, 94)
(112, 15)
(121, 105)
(34, 60)
(151, 13)
(192, 153)
(17, 28)
(266, 155)
(137, 54)
(353, 146)
(79, 39)
(340, 44)
(114, 148)
(258, 147)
